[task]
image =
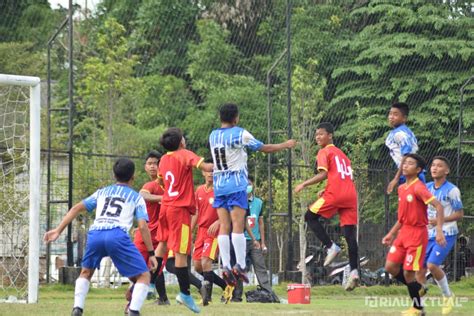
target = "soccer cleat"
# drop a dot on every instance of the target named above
(187, 301)
(229, 277)
(76, 311)
(239, 273)
(413, 312)
(133, 313)
(333, 251)
(205, 291)
(353, 281)
(162, 302)
(227, 294)
(448, 304)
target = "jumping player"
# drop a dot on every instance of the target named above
(228, 148)
(407, 252)
(205, 246)
(400, 141)
(115, 206)
(450, 197)
(175, 171)
(339, 196)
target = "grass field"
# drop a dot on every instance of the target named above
(327, 300)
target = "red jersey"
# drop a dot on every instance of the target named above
(176, 170)
(153, 208)
(207, 215)
(413, 200)
(340, 185)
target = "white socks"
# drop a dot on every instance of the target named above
(80, 292)
(443, 285)
(240, 248)
(138, 296)
(224, 250)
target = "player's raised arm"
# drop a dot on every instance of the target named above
(53, 234)
(150, 197)
(271, 148)
(206, 166)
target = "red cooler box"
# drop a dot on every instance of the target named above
(299, 293)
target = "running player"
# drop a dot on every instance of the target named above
(115, 206)
(407, 252)
(228, 148)
(339, 197)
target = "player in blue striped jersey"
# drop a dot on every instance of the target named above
(115, 208)
(400, 141)
(229, 146)
(450, 197)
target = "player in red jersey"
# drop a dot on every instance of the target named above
(205, 245)
(409, 247)
(152, 194)
(175, 172)
(339, 196)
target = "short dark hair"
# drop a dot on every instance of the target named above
(124, 169)
(153, 154)
(326, 126)
(403, 107)
(228, 112)
(443, 158)
(171, 138)
(420, 161)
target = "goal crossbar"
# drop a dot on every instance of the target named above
(34, 178)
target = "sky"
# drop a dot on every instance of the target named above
(65, 3)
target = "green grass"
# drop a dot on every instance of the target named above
(325, 300)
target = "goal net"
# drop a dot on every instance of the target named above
(19, 188)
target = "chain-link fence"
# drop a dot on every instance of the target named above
(142, 66)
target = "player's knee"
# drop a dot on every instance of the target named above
(311, 217)
(86, 273)
(392, 268)
(144, 277)
(431, 266)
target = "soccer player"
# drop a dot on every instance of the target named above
(400, 141)
(115, 206)
(152, 193)
(339, 196)
(450, 197)
(409, 247)
(228, 148)
(205, 246)
(175, 171)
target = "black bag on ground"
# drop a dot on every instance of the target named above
(260, 295)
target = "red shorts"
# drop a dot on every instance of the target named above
(175, 228)
(327, 207)
(205, 245)
(409, 247)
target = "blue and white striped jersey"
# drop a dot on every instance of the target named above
(401, 141)
(115, 206)
(450, 197)
(228, 148)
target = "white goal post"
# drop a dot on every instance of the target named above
(34, 177)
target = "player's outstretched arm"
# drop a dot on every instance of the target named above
(206, 166)
(440, 239)
(321, 176)
(271, 148)
(150, 197)
(53, 234)
(143, 227)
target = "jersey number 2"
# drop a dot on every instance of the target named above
(170, 176)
